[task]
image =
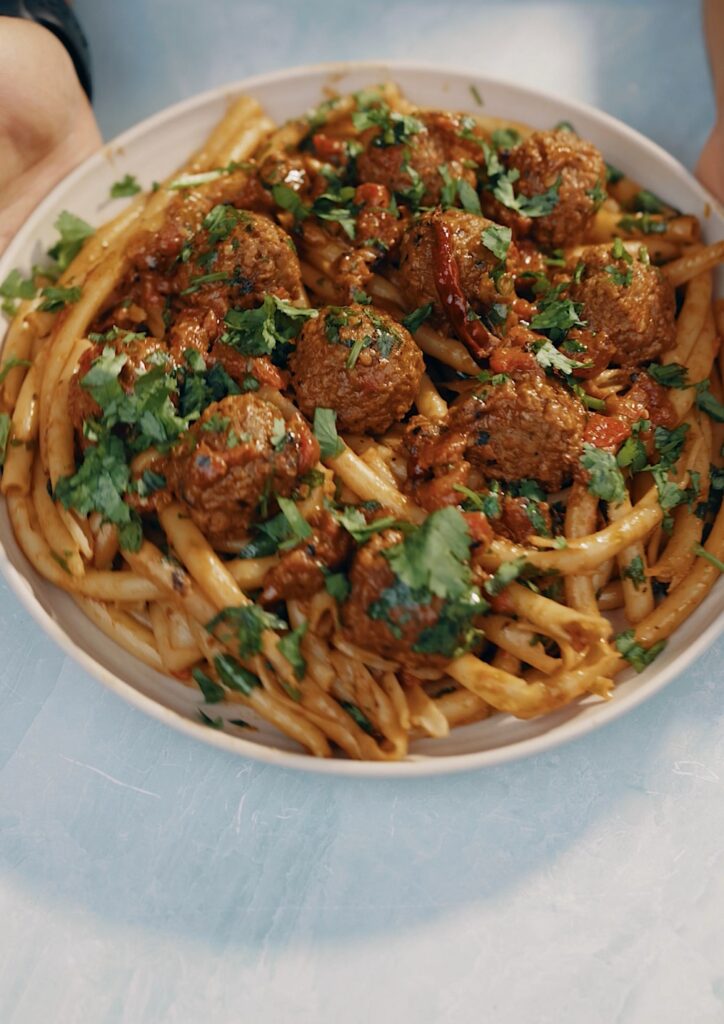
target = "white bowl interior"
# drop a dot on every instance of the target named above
(151, 150)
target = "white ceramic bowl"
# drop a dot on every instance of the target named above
(153, 149)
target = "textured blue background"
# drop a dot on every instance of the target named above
(145, 878)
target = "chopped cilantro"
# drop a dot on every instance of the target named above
(73, 232)
(505, 574)
(605, 478)
(394, 128)
(212, 691)
(10, 364)
(670, 375)
(505, 138)
(417, 317)
(213, 723)
(4, 435)
(475, 93)
(556, 315)
(433, 556)
(287, 199)
(258, 332)
(55, 298)
(468, 196)
(636, 655)
(701, 552)
(290, 647)
(706, 401)
(646, 202)
(248, 623)
(337, 586)
(489, 503)
(299, 526)
(643, 224)
(352, 519)
(549, 357)
(497, 239)
(613, 175)
(235, 676)
(127, 186)
(359, 717)
(325, 431)
(15, 286)
(635, 572)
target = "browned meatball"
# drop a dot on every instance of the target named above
(383, 615)
(300, 572)
(235, 460)
(527, 426)
(358, 361)
(416, 160)
(141, 355)
(631, 301)
(541, 160)
(235, 260)
(478, 266)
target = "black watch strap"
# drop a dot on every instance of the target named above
(58, 18)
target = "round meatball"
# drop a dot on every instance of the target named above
(478, 265)
(358, 361)
(235, 260)
(236, 460)
(525, 427)
(632, 301)
(416, 160)
(541, 160)
(139, 354)
(384, 615)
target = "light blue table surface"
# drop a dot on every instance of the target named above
(145, 878)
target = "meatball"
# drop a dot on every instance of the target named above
(235, 260)
(430, 141)
(358, 361)
(541, 160)
(301, 572)
(478, 266)
(526, 426)
(384, 615)
(236, 460)
(632, 301)
(140, 355)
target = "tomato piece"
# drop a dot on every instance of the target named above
(328, 148)
(371, 194)
(505, 360)
(479, 528)
(606, 431)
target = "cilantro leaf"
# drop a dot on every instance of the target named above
(4, 435)
(417, 317)
(127, 186)
(55, 298)
(15, 286)
(325, 431)
(337, 586)
(636, 655)
(257, 332)
(353, 520)
(235, 676)
(505, 574)
(642, 223)
(706, 401)
(505, 138)
(434, 555)
(671, 375)
(635, 572)
(497, 239)
(701, 552)
(394, 128)
(556, 316)
(359, 717)
(290, 647)
(73, 232)
(248, 623)
(549, 357)
(213, 693)
(298, 524)
(10, 364)
(605, 478)
(287, 199)
(647, 202)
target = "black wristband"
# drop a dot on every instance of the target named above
(57, 17)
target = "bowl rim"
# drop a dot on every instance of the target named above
(415, 766)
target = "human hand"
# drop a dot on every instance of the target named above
(710, 168)
(46, 123)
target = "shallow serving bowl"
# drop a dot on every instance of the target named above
(153, 149)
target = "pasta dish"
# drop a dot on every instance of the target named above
(374, 423)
